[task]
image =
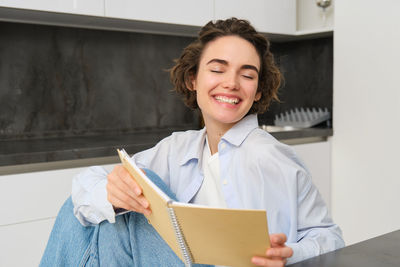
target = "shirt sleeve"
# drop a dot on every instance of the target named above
(89, 196)
(317, 233)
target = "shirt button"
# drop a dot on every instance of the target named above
(223, 145)
(225, 181)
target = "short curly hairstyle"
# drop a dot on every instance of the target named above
(186, 66)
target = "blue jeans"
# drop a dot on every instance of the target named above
(130, 241)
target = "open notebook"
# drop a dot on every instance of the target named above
(200, 234)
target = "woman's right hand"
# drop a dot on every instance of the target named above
(124, 192)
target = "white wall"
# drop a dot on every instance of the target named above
(366, 141)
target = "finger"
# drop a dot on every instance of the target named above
(121, 179)
(114, 192)
(283, 252)
(116, 185)
(120, 193)
(116, 203)
(261, 261)
(135, 208)
(120, 200)
(143, 201)
(278, 239)
(129, 181)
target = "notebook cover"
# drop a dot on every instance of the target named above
(223, 236)
(159, 218)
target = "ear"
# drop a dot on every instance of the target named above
(257, 97)
(193, 83)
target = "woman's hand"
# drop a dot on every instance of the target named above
(277, 254)
(124, 192)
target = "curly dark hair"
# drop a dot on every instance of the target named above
(187, 64)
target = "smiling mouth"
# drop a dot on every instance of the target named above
(224, 99)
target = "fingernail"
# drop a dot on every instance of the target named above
(137, 191)
(255, 261)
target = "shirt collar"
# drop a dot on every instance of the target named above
(195, 150)
(236, 135)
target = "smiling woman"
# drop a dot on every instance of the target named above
(229, 74)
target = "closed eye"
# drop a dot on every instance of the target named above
(248, 77)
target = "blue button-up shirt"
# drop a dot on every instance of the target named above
(258, 172)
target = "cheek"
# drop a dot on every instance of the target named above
(251, 88)
(206, 84)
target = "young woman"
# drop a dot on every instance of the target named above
(229, 74)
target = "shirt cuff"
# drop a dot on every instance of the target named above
(101, 204)
(120, 211)
(302, 251)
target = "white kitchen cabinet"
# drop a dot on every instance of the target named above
(317, 158)
(33, 196)
(282, 20)
(285, 17)
(82, 7)
(185, 12)
(269, 16)
(29, 203)
(23, 244)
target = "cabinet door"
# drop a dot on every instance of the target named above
(23, 244)
(33, 196)
(270, 16)
(185, 12)
(83, 7)
(317, 158)
(29, 203)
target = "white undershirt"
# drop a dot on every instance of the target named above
(210, 193)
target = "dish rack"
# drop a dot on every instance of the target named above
(302, 118)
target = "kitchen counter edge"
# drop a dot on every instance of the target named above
(20, 156)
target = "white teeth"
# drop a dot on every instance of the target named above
(227, 100)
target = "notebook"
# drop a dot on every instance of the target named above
(202, 234)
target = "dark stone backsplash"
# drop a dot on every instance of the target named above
(58, 81)
(307, 67)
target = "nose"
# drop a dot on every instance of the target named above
(231, 81)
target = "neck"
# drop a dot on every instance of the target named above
(214, 133)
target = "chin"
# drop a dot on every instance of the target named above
(230, 119)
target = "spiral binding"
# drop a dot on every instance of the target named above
(187, 256)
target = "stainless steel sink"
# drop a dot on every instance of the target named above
(273, 128)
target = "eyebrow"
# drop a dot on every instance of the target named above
(224, 62)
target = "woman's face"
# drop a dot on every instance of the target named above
(227, 80)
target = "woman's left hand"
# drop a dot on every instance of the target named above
(277, 254)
